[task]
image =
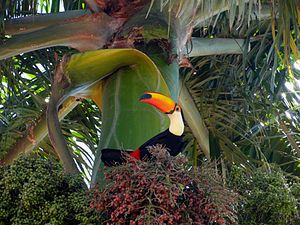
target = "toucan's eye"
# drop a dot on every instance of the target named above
(177, 108)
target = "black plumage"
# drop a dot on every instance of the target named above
(173, 144)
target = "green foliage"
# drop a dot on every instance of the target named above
(268, 196)
(251, 115)
(19, 8)
(24, 90)
(34, 190)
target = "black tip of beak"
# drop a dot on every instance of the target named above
(145, 96)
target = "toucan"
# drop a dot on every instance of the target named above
(171, 138)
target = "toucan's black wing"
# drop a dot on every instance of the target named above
(112, 157)
(172, 142)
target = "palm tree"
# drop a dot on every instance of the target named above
(236, 55)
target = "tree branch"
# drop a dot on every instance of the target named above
(93, 5)
(37, 133)
(216, 46)
(37, 22)
(83, 33)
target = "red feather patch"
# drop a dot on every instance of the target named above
(136, 154)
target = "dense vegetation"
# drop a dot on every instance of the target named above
(268, 196)
(34, 190)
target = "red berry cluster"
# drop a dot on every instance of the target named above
(164, 191)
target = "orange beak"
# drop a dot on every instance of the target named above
(160, 101)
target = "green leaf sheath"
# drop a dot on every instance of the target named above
(170, 73)
(87, 68)
(194, 119)
(132, 73)
(126, 74)
(128, 123)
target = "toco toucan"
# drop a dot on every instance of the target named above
(171, 138)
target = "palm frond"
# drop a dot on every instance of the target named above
(240, 98)
(21, 8)
(25, 89)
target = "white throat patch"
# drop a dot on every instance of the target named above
(176, 123)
